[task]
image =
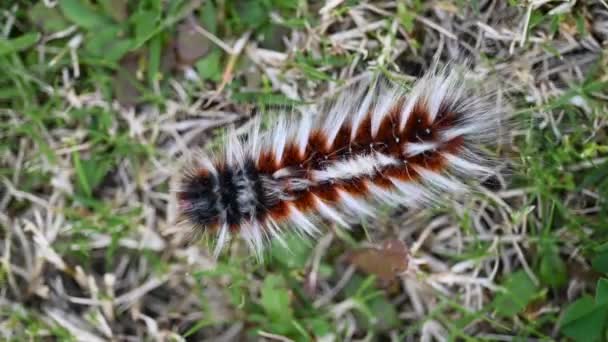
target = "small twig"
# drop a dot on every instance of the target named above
(228, 71)
(198, 28)
(524, 33)
(274, 337)
(436, 27)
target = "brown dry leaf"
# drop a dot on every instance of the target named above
(191, 44)
(168, 62)
(386, 261)
(534, 309)
(125, 80)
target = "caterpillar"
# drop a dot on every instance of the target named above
(375, 143)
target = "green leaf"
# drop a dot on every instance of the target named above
(208, 17)
(155, 57)
(83, 180)
(294, 256)
(145, 25)
(18, 44)
(250, 14)
(552, 268)
(578, 310)
(583, 320)
(319, 327)
(82, 14)
(520, 290)
(600, 262)
(580, 25)
(199, 325)
(275, 299)
(601, 293)
(313, 72)
(381, 307)
(209, 67)
(49, 19)
(595, 176)
(406, 17)
(90, 172)
(107, 44)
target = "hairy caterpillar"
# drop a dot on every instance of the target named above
(374, 143)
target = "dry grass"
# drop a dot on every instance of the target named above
(89, 245)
